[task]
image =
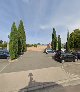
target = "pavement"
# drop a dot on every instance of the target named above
(36, 70)
(36, 79)
(31, 60)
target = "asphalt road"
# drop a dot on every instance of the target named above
(3, 64)
(32, 60)
(29, 61)
(37, 60)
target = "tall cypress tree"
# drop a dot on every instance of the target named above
(54, 40)
(67, 44)
(13, 44)
(21, 38)
(59, 42)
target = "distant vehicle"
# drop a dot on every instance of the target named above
(63, 50)
(4, 54)
(64, 57)
(77, 54)
(49, 51)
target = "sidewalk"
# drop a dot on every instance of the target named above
(13, 82)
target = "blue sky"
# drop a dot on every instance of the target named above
(40, 16)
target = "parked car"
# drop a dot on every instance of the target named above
(49, 51)
(77, 54)
(4, 54)
(63, 57)
(57, 55)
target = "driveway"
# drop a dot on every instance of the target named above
(40, 64)
(31, 60)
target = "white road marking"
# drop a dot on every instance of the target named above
(4, 67)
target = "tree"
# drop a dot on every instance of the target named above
(13, 44)
(38, 44)
(54, 40)
(35, 45)
(1, 41)
(67, 43)
(75, 39)
(21, 38)
(4, 44)
(59, 42)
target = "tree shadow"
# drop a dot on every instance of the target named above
(34, 86)
(53, 57)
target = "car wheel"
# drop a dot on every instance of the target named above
(74, 60)
(7, 57)
(62, 61)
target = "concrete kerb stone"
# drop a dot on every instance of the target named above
(11, 61)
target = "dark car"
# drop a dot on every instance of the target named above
(63, 57)
(4, 54)
(77, 54)
(58, 55)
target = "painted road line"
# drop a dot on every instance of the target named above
(4, 67)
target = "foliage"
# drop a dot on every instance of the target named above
(38, 44)
(28, 45)
(21, 38)
(74, 39)
(59, 42)
(67, 43)
(3, 44)
(17, 44)
(13, 44)
(35, 45)
(1, 41)
(31, 45)
(54, 40)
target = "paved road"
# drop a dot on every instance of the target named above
(37, 60)
(29, 61)
(72, 68)
(3, 64)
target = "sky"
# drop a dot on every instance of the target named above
(40, 17)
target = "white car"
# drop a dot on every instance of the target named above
(49, 51)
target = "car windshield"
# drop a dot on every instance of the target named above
(49, 49)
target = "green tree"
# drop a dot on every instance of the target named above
(59, 42)
(67, 44)
(4, 44)
(1, 41)
(13, 44)
(54, 40)
(21, 38)
(35, 45)
(75, 39)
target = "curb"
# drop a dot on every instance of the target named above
(11, 61)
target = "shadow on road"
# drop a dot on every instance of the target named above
(34, 86)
